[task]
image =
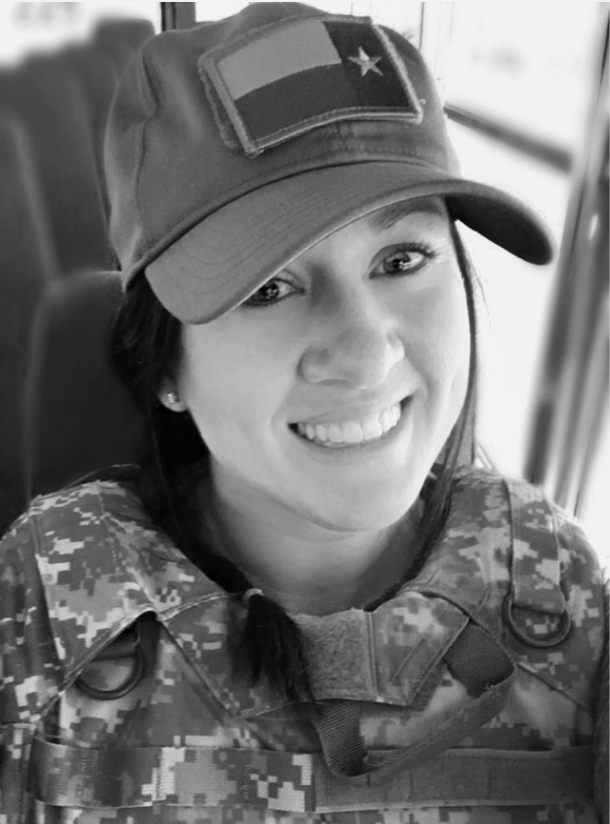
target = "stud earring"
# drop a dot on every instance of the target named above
(172, 398)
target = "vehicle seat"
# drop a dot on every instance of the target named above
(27, 267)
(79, 416)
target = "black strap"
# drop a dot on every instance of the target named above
(477, 660)
(338, 726)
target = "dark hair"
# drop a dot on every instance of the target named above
(270, 646)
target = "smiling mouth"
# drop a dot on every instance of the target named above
(351, 433)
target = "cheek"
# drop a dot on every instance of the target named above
(204, 385)
(444, 369)
(444, 343)
(230, 393)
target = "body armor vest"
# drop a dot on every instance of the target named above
(466, 698)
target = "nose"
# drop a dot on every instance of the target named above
(358, 346)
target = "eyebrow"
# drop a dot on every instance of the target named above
(386, 218)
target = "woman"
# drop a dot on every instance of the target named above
(304, 602)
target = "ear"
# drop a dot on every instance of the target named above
(170, 397)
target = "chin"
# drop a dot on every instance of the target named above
(361, 511)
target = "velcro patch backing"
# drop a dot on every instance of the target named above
(282, 80)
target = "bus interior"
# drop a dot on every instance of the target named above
(525, 91)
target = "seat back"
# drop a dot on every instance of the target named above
(97, 77)
(27, 267)
(79, 416)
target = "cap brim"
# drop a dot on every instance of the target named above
(220, 261)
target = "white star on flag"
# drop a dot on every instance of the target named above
(366, 63)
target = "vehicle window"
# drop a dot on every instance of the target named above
(532, 78)
(403, 17)
(32, 28)
(527, 70)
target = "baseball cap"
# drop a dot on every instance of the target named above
(235, 146)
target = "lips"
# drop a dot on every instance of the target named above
(372, 427)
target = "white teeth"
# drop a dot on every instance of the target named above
(372, 428)
(350, 432)
(335, 435)
(393, 415)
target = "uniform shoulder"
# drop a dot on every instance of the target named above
(87, 503)
(578, 558)
(50, 545)
(556, 580)
(83, 516)
(481, 480)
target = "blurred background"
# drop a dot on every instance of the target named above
(525, 88)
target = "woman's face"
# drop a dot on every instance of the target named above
(332, 389)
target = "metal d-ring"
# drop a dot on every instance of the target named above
(132, 650)
(551, 639)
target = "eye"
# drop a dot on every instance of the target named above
(270, 293)
(405, 260)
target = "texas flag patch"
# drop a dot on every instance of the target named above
(287, 78)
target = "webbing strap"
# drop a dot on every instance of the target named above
(535, 572)
(338, 726)
(72, 777)
(478, 660)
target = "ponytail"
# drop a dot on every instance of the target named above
(271, 648)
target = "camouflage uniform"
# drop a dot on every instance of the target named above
(469, 692)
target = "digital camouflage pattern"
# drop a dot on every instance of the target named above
(191, 744)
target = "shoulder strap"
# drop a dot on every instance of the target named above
(535, 570)
(473, 554)
(535, 608)
(66, 776)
